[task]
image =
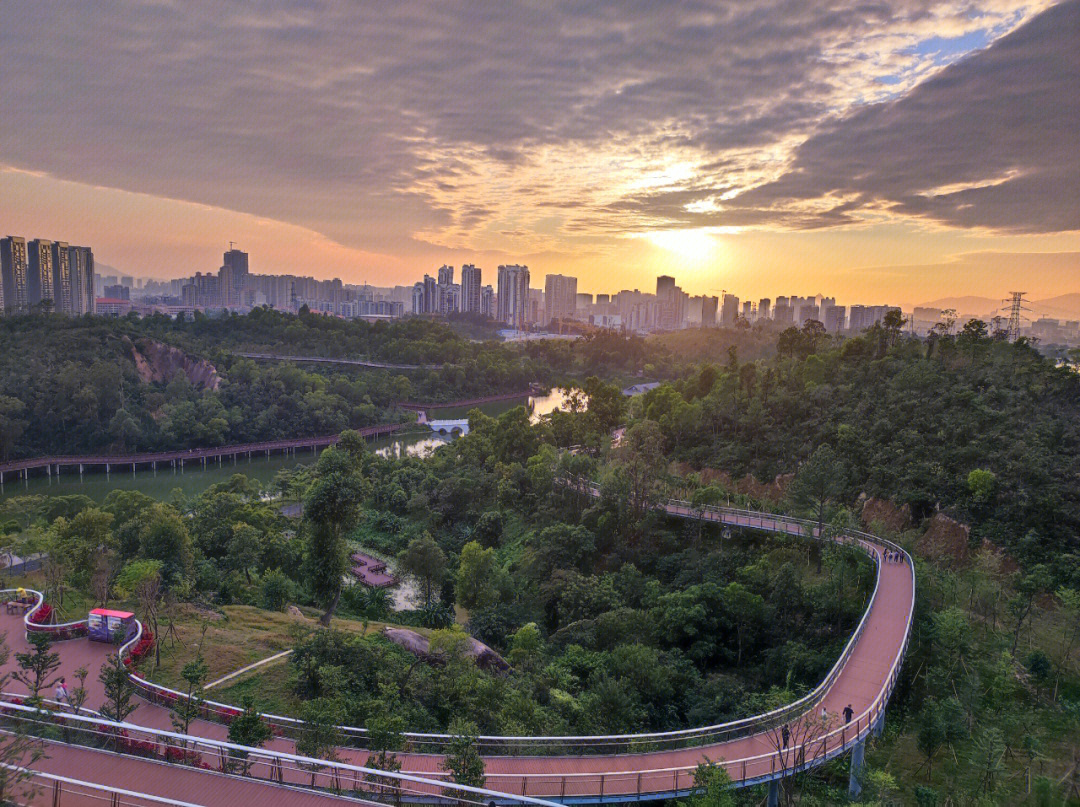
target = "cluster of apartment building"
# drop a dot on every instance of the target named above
(234, 288)
(45, 275)
(441, 295)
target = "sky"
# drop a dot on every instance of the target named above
(882, 151)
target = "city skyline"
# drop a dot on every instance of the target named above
(816, 168)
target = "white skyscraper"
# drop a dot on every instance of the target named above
(470, 289)
(513, 300)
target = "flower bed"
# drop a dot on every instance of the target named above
(40, 621)
(139, 651)
(43, 615)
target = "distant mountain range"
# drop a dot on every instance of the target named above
(1064, 306)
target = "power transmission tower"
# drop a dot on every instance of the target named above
(1015, 306)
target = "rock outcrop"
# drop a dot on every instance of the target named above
(420, 646)
(945, 540)
(157, 362)
(883, 511)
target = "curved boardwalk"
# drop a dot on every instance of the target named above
(864, 682)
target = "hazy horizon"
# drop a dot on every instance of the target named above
(894, 154)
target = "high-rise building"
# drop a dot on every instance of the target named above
(81, 264)
(13, 273)
(61, 271)
(748, 311)
(730, 311)
(763, 308)
(418, 298)
(709, 307)
(431, 295)
(809, 311)
(487, 301)
(783, 313)
(560, 297)
(232, 277)
(513, 301)
(470, 289)
(665, 287)
(833, 318)
(39, 272)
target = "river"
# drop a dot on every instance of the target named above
(194, 479)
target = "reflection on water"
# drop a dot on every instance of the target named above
(538, 405)
(194, 478)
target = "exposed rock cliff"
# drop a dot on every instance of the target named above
(158, 363)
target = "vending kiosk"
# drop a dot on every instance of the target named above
(102, 624)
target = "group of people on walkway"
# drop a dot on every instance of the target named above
(893, 557)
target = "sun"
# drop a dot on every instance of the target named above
(693, 246)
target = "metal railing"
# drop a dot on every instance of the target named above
(749, 768)
(61, 631)
(263, 764)
(37, 787)
(495, 745)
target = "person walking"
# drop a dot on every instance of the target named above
(62, 693)
(785, 735)
(848, 714)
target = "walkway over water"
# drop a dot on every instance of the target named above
(179, 458)
(639, 766)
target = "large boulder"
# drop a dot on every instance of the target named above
(420, 646)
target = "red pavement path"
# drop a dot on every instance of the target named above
(858, 684)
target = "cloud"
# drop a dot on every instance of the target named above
(989, 142)
(395, 126)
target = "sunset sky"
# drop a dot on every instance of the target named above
(889, 151)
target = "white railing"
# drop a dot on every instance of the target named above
(35, 787)
(639, 742)
(673, 779)
(279, 767)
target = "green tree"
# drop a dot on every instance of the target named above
(276, 590)
(930, 733)
(331, 509)
(119, 689)
(37, 667)
(475, 586)
(320, 736)
(640, 457)
(819, 480)
(463, 762)
(712, 787)
(425, 562)
(188, 708)
(249, 730)
(164, 536)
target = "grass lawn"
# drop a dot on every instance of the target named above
(236, 636)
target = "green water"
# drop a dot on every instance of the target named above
(194, 478)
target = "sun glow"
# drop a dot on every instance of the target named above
(694, 246)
